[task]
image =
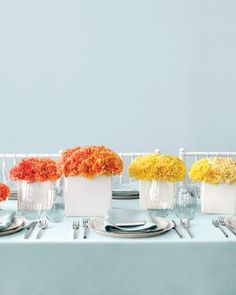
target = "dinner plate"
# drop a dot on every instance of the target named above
(231, 221)
(164, 225)
(17, 225)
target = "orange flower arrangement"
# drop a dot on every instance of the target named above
(35, 169)
(4, 192)
(90, 161)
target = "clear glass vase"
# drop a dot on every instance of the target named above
(32, 198)
(161, 198)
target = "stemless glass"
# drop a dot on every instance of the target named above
(57, 211)
(186, 203)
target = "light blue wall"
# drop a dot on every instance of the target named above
(130, 74)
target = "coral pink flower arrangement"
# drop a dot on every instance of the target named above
(4, 192)
(35, 169)
(90, 161)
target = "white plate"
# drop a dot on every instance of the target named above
(231, 221)
(17, 225)
(98, 226)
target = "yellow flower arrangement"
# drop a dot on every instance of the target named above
(157, 167)
(214, 170)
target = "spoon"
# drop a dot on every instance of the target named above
(186, 225)
(43, 224)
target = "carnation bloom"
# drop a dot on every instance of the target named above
(4, 192)
(214, 170)
(35, 169)
(157, 167)
(90, 161)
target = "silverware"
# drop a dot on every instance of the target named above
(222, 222)
(30, 229)
(177, 230)
(216, 223)
(85, 226)
(186, 225)
(43, 224)
(75, 227)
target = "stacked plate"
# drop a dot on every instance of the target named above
(125, 191)
(163, 225)
(231, 221)
(17, 225)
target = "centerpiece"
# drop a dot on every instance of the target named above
(35, 177)
(157, 174)
(218, 184)
(88, 175)
(4, 191)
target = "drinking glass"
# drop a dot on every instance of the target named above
(57, 211)
(186, 203)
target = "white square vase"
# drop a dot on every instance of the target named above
(164, 192)
(34, 194)
(87, 197)
(218, 198)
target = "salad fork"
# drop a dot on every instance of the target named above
(85, 225)
(75, 227)
(216, 223)
(222, 222)
(43, 224)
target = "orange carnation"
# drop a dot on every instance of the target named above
(35, 169)
(4, 192)
(90, 161)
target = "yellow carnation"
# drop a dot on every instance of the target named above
(214, 170)
(158, 167)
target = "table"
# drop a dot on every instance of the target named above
(163, 265)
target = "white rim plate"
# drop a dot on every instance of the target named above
(98, 226)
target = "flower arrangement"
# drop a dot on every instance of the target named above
(90, 161)
(157, 167)
(35, 169)
(214, 171)
(4, 192)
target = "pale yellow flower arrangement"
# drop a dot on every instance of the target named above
(214, 170)
(157, 167)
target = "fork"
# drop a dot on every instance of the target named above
(216, 223)
(43, 224)
(85, 226)
(222, 222)
(75, 227)
(186, 225)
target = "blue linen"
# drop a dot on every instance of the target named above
(120, 220)
(163, 265)
(6, 218)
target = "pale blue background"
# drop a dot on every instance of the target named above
(131, 74)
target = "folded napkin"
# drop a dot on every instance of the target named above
(6, 219)
(129, 220)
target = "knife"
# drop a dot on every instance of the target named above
(30, 228)
(177, 230)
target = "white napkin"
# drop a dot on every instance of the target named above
(129, 220)
(6, 218)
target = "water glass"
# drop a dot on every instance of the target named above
(57, 211)
(186, 203)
